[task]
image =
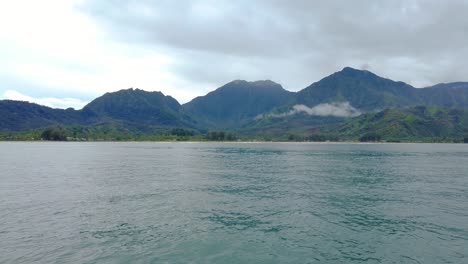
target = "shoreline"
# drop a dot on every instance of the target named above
(233, 142)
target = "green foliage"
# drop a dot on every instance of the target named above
(322, 137)
(465, 139)
(181, 132)
(370, 137)
(55, 134)
(295, 137)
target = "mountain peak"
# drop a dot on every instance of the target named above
(354, 72)
(242, 85)
(254, 83)
(264, 83)
(349, 69)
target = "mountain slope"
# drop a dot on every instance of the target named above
(280, 127)
(445, 94)
(238, 102)
(407, 124)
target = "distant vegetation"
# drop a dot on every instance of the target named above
(419, 123)
(55, 134)
(106, 133)
(220, 136)
(423, 124)
(370, 137)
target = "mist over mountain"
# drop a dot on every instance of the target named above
(367, 91)
(362, 89)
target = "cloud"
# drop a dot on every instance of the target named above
(50, 102)
(57, 50)
(343, 109)
(338, 109)
(296, 42)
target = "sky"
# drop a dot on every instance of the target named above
(64, 53)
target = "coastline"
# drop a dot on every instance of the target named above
(232, 142)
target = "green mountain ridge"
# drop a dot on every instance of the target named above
(146, 111)
(251, 108)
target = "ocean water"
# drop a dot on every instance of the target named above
(233, 203)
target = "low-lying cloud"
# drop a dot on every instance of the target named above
(344, 109)
(337, 109)
(50, 101)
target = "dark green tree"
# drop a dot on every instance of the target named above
(55, 134)
(180, 132)
(230, 137)
(370, 137)
(220, 136)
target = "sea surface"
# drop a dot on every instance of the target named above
(233, 203)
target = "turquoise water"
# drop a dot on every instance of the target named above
(233, 203)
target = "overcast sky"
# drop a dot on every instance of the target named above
(64, 53)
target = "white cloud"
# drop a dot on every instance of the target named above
(343, 109)
(337, 109)
(51, 102)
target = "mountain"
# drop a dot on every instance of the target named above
(237, 102)
(367, 91)
(18, 116)
(362, 89)
(249, 108)
(135, 107)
